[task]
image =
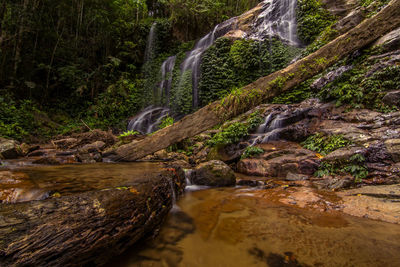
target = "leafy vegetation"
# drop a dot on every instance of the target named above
(359, 90)
(325, 144)
(234, 132)
(167, 121)
(298, 94)
(128, 133)
(355, 166)
(229, 65)
(312, 20)
(230, 135)
(252, 151)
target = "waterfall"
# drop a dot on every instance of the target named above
(193, 59)
(148, 120)
(150, 45)
(166, 70)
(278, 18)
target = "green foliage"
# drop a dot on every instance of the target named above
(230, 135)
(118, 102)
(359, 91)
(252, 151)
(167, 121)
(233, 133)
(17, 120)
(226, 65)
(192, 18)
(298, 94)
(312, 19)
(355, 166)
(325, 144)
(128, 133)
(254, 120)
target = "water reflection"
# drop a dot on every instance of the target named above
(37, 183)
(224, 227)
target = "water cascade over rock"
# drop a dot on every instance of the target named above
(193, 58)
(150, 45)
(272, 18)
(278, 18)
(167, 68)
(148, 120)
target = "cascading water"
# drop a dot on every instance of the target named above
(150, 45)
(148, 120)
(193, 58)
(166, 78)
(278, 18)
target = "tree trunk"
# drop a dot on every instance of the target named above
(21, 31)
(84, 229)
(266, 87)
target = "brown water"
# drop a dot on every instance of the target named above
(35, 183)
(236, 227)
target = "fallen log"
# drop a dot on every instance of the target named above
(84, 229)
(267, 87)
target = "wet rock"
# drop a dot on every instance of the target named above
(88, 157)
(177, 164)
(213, 173)
(392, 98)
(37, 153)
(335, 182)
(390, 41)
(47, 161)
(296, 177)
(393, 148)
(330, 77)
(96, 135)
(377, 153)
(94, 147)
(345, 153)
(65, 143)
(374, 202)
(77, 223)
(9, 149)
(279, 163)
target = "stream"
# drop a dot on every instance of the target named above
(237, 227)
(226, 226)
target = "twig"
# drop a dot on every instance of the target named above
(86, 125)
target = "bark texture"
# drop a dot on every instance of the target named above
(84, 229)
(267, 87)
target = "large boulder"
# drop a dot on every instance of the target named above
(213, 173)
(9, 149)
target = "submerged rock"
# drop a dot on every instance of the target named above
(213, 173)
